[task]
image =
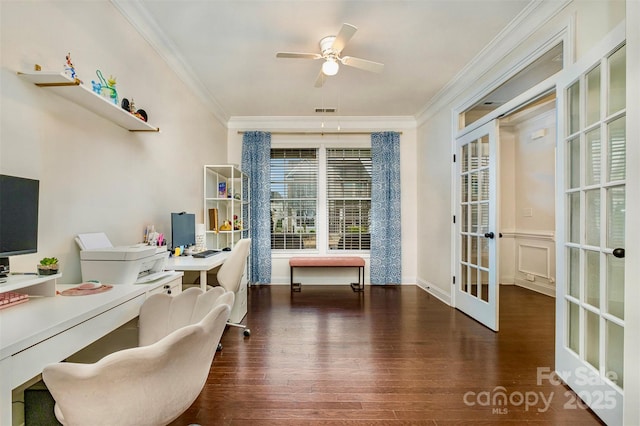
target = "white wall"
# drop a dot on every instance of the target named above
(527, 198)
(94, 175)
(588, 22)
(408, 176)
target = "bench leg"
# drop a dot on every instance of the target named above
(359, 286)
(294, 286)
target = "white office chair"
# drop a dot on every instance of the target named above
(230, 273)
(152, 384)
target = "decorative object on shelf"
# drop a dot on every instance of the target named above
(226, 226)
(213, 219)
(96, 87)
(108, 87)
(222, 190)
(141, 114)
(131, 108)
(69, 69)
(237, 223)
(48, 266)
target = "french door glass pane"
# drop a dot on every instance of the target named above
(592, 338)
(464, 271)
(464, 188)
(474, 218)
(615, 216)
(614, 345)
(592, 276)
(574, 272)
(473, 259)
(483, 153)
(574, 163)
(463, 248)
(483, 222)
(574, 217)
(617, 150)
(593, 164)
(465, 159)
(617, 80)
(474, 282)
(464, 210)
(615, 286)
(484, 289)
(592, 228)
(574, 327)
(484, 185)
(474, 186)
(593, 95)
(573, 100)
(484, 254)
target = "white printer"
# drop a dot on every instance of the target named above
(138, 263)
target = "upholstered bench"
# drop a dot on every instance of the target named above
(329, 262)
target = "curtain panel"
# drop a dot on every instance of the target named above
(256, 163)
(385, 261)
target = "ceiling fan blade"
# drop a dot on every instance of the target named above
(346, 32)
(320, 80)
(295, 55)
(363, 64)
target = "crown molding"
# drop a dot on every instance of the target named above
(531, 19)
(146, 26)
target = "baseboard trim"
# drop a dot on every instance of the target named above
(435, 291)
(545, 289)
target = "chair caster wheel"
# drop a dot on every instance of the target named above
(219, 348)
(247, 332)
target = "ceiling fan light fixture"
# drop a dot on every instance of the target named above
(330, 67)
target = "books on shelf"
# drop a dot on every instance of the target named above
(213, 219)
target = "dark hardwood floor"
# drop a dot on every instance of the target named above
(391, 356)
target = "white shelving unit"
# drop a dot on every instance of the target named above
(75, 91)
(233, 203)
(33, 285)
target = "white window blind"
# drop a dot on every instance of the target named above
(348, 198)
(294, 198)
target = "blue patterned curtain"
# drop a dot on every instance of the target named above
(256, 163)
(385, 209)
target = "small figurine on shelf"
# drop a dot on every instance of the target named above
(108, 87)
(69, 68)
(96, 87)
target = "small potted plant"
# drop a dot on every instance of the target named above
(48, 266)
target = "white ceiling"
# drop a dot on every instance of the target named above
(226, 50)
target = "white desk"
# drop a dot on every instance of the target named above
(46, 330)
(204, 265)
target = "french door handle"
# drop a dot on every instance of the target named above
(618, 252)
(489, 235)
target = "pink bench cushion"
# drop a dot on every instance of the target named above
(326, 261)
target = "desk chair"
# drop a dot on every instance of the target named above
(230, 273)
(152, 384)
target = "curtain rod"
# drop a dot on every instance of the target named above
(299, 133)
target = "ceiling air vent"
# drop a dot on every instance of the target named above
(325, 110)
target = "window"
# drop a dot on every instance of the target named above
(294, 198)
(339, 209)
(349, 198)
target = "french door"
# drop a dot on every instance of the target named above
(476, 288)
(591, 177)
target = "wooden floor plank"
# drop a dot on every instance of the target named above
(389, 356)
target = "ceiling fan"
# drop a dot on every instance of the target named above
(331, 48)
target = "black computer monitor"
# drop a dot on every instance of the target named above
(18, 218)
(183, 229)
